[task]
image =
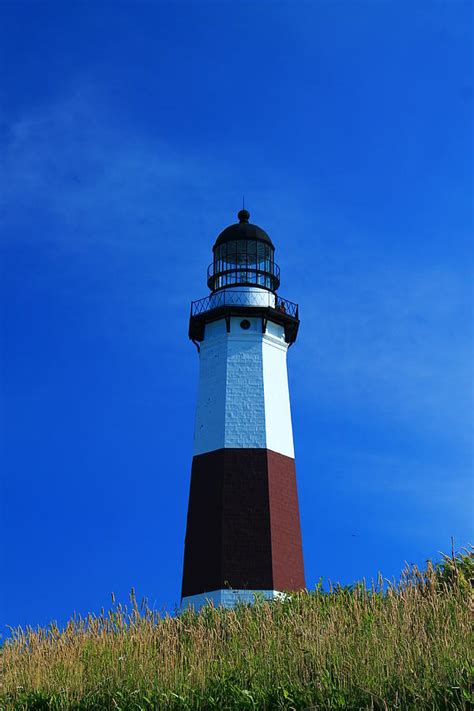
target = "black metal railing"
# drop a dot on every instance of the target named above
(244, 298)
(286, 307)
(265, 274)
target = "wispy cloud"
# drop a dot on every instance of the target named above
(78, 161)
(380, 331)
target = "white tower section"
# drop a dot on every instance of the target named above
(243, 396)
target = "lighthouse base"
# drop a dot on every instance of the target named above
(228, 598)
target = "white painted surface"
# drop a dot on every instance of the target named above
(209, 426)
(278, 427)
(242, 296)
(243, 398)
(245, 402)
(228, 598)
(277, 331)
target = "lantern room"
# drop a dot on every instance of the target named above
(243, 256)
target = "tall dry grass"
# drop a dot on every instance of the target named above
(402, 647)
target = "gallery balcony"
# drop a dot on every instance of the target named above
(244, 302)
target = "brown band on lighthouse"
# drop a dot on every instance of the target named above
(287, 547)
(243, 528)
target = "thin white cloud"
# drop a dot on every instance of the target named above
(390, 335)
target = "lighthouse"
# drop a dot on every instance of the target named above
(243, 529)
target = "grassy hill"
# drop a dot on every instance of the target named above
(401, 645)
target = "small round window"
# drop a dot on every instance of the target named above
(245, 324)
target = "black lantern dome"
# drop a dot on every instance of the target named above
(243, 256)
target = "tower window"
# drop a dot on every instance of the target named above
(245, 324)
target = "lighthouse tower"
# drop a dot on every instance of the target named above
(243, 529)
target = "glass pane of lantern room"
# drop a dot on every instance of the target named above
(230, 254)
(252, 253)
(241, 251)
(268, 258)
(220, 257)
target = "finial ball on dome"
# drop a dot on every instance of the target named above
(243, 215)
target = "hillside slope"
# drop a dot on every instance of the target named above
(387, 646)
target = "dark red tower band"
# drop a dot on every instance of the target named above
(243, 527)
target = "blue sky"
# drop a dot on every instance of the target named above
(129, 132)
